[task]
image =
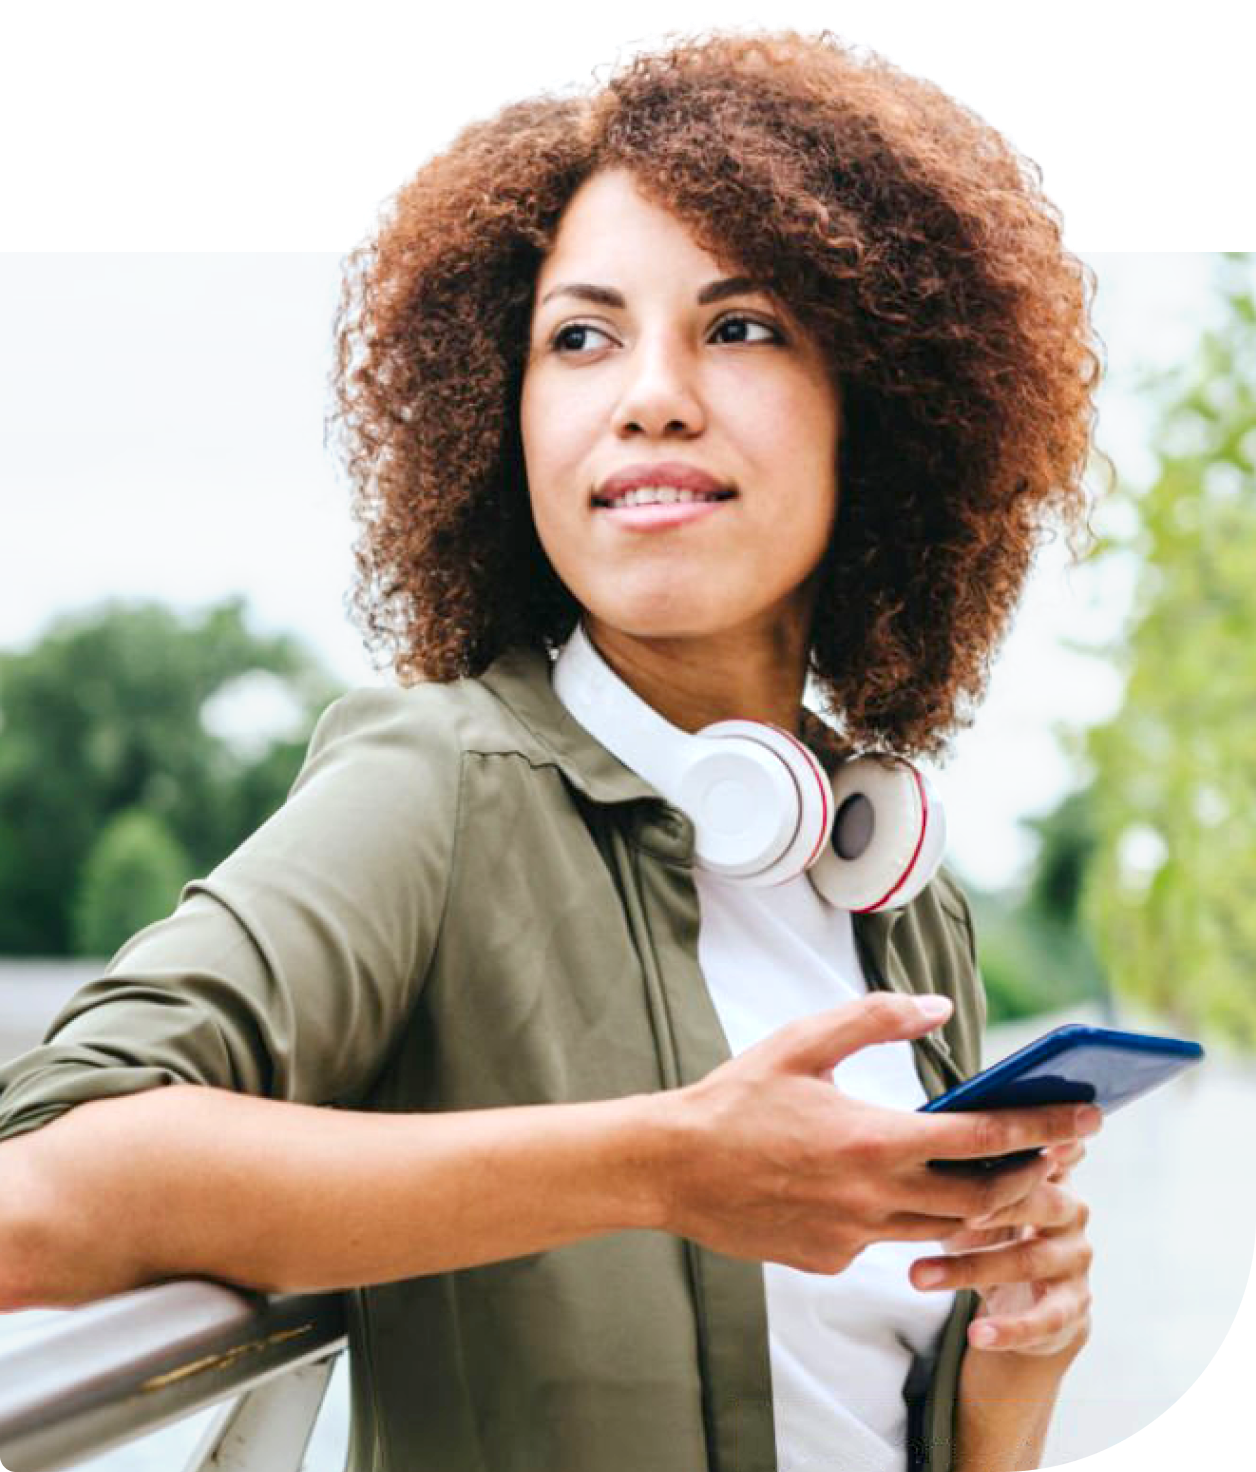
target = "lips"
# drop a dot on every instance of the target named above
(658, 516)
(677, 473)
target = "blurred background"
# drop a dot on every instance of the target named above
(172, 623)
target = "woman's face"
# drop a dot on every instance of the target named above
(645, 354)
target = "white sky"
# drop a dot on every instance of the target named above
(162, 437)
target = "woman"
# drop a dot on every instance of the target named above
(762, 362)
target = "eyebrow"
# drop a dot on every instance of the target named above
(713, 291)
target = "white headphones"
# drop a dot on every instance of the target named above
(763, 808)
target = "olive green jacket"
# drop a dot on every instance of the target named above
(466, 902)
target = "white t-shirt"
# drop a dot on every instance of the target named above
(841, 1344)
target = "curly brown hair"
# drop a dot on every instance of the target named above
(899, 227)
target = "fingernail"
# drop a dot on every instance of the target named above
(1088, 1119)
(931, 1276)
(934, 1008)
(983, 1335)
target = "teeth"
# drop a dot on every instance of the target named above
(661, 496)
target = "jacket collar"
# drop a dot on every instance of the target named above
(520, 678)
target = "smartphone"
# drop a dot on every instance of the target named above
(1071, 1064)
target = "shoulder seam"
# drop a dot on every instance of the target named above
(420, 983)
(453, 855)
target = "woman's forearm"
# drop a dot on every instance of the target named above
(1004, 1408)
(195, 1181)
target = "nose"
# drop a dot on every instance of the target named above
(660, 396)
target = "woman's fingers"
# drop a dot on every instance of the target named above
(971, 1194)
(909, 1226)
(967, 1238)
(1064, 1158)
(1033, 1279)
(1058, 1318)
(941, 1211)
(982, 1134)
(1027, 1260)
(1050, 1206)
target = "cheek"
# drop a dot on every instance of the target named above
(816, 443)
(554, 448)
(788, 416)
(531, 418)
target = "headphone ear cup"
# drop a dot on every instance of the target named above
(889, 834)
(799, 815)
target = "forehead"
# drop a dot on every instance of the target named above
(609, 222)
(611, 235)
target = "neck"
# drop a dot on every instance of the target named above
(740, 674)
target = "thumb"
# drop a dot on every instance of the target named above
(815, 1044)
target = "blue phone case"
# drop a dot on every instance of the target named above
(1071, 1064)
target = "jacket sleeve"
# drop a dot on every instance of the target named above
(287, 971)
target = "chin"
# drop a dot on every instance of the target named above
(663, 615)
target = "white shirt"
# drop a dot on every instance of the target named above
(840, 1344)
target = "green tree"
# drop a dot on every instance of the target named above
(110, 711)
(1169, 892)
(1066, 843)
(132, 877)
(1036, 955)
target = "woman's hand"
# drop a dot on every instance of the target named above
(1030, 1264)
(767, 1159)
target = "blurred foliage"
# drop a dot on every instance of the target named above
(1168, 895)
(1034, 951)
(106, 715)
(1142, 875)
(132, 876)
(114, 788)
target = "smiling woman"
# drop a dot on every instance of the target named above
(681, 456)
(626, 973)
(896, 243)
(763, 358)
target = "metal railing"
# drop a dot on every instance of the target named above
(102, 1374)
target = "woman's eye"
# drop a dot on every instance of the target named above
(747, 321)
(728, 321)
(562, 338)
